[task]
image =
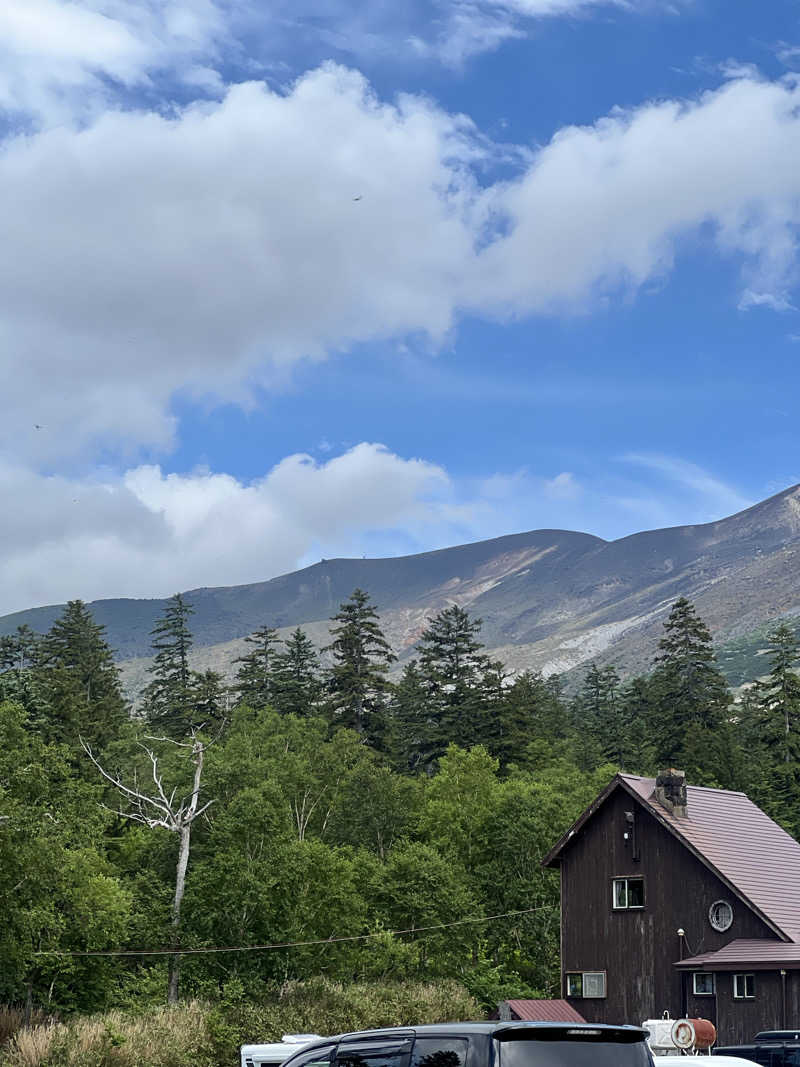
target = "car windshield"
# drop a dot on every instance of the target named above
(570, 1051)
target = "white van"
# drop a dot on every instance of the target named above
(274, 1054)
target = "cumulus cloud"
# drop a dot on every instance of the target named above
(60, 57)
(605, 206)
(149, 533)
(144, 254)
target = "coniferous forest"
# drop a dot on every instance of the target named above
(328, 804)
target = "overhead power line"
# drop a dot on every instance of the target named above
(297, 944)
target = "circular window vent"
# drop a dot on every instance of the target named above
(720, 915)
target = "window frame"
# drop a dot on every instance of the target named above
(309, 1054)
(744, 976)
(704, 993)
(583, 975)
(441, 1039)
(626, 878)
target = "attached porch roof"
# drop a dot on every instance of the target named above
(756, 954)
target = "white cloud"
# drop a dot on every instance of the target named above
(469, 30)
(606, 206)
(550, 8)
(716, 497)
(563, 487)
(150, 533)
(57, 56)
(773, 301)
(145, 254)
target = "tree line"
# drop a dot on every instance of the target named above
(321, 797)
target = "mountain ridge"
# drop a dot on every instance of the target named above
(550, 599)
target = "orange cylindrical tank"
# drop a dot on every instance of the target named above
(694, 1033)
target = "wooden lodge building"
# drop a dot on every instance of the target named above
(684, 900)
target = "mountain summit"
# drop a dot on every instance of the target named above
(549, 599)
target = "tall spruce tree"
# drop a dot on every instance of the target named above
(297, 686)
(690, 693)
(777, 698)
(19, 681)
(416, 746)
(531, 710)
(601, 710)
(358, 681)
(256, 677)
(79, 680)
(462, 685)
(169, 699)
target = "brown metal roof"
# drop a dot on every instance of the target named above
(732, 836)
(541, 1011)
(745, 952)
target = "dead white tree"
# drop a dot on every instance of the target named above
(159, 809)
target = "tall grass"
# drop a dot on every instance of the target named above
(195, 1034)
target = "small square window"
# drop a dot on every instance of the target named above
(586, 984)
(627, 893)
(744, 986)
(703, 983)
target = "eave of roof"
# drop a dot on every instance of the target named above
(629, 784)
(753, 953)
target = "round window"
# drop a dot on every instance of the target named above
(720, 915)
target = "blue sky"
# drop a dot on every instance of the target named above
(296, 280)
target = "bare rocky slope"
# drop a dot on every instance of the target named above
(549, 599)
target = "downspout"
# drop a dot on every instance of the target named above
(684, 977)
(783, 998)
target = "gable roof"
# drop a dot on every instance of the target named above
(731, 836)
(555, 1011)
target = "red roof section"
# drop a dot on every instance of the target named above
(745, 952)
(545, 1011)
(732, 836)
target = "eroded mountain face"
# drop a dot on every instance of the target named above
(549, 599)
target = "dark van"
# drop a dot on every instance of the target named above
(490, 1044)
(767, 1053)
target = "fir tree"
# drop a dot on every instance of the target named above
(256, 677)
(297, 685)
(19, 681)
(18, 651)
(531, 710)
(637, 748)
(209, 698)
(415, 747)
(462, 684)
(777, 698)
(689, 690)
(600, 710)
(168, 700)
(358, 681)
(79, 679)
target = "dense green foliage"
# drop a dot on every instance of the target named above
(344, 805)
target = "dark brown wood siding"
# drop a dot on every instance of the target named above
(638, 949)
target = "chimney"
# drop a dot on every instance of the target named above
(671, 791)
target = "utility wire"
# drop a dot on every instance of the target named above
(296, 944)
